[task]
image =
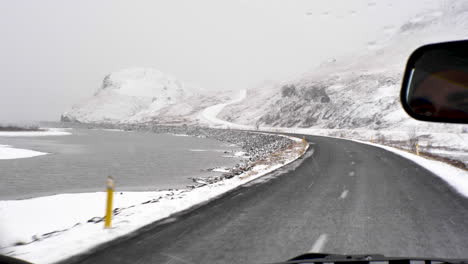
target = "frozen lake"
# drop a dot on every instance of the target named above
(82, 161)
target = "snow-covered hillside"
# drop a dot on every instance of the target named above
(358, 91)
(141, 95)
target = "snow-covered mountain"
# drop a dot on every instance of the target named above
(359, 91)
(141, 95)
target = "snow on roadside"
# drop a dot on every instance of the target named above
(220, 170)
(9, 152)
(60, 224)
(455, 177)
(451, 145)
(45, 132)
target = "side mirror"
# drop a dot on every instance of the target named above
(435, 83)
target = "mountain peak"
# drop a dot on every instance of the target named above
(126, 93)
(143, 82)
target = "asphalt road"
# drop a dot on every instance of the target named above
(342, 197)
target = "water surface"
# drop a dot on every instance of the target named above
(82, 161)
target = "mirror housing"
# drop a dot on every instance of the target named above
(435, 83)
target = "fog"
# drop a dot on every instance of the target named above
(55, 53)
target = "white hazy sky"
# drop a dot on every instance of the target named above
(55, 53)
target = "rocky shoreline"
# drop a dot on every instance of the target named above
(257, 146)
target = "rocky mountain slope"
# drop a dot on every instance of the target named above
(141, 95)
(359, 91)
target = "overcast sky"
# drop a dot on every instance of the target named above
(55, 53)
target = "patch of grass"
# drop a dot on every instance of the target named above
(411, 149)
(456, 163)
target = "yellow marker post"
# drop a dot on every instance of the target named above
(110, 196)
(417, 149)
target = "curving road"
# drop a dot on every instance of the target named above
(209, 115)
(342, 197)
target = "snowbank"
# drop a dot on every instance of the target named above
(9, 152)
(68, 224)
(43, 133)
(455, 177)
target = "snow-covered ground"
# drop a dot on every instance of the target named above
(67, 224)
(455, 177)
(9, 152)
(43, 133)
(453, 145)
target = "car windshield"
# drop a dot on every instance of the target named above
(213, 131)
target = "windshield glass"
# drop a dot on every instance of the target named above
(224, 132)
